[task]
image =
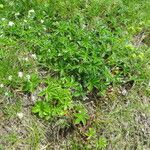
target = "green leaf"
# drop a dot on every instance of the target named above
(101, 143)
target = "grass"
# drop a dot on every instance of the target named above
(128, 120)
(74, 74)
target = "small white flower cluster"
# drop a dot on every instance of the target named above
(10, 23)
(3, 19)
(25, 58)
(10, 78)
(42, 21)
(20, 74)
(31, 13)
(20, 115)
(17, 14)
(1, 85)
(1, 6)
(33, 56)
(83, 26)
(6, 94)
(25, 20)
(28, 77)
(44, 28)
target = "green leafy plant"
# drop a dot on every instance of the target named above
(101, 143)
(81, 115)
(55, 100)
(31, 83)
(42, 108)
(93, 58)
(91, 133)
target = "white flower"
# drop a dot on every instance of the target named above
(39, 33)
(25, 21)
(83, 26)
(6, 93)
(42, 21)
(1, 6)
(20, 115)
(85, 98)
(3, 19)
(34, 56)
(28, 77)
(31, 11)
(20, 74)
(44, 28)
(26, 58)
(1, 85)
(17, 14)
(10, 23)
(10, 78)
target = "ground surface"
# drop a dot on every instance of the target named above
(125, 124)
